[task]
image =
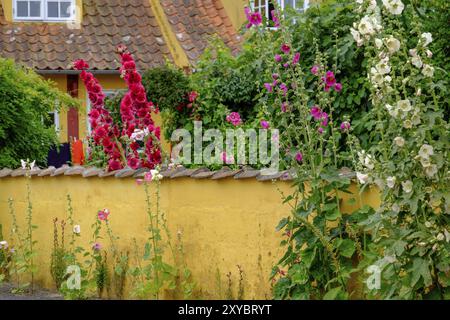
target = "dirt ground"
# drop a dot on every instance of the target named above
(38, 294)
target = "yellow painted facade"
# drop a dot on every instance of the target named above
(224, 223)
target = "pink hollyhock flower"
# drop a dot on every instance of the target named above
(320, 130)
(285, 48)
(296, 59)
(148, 176)
(284, 88)
(97, 246)
(133, 163)
(316, 112)
(324, 118)
(284, 106)
(275, 76)
(278, 58)
(269, 87)
(227, 159)
(345, 126)
(299, 157)
(286, 65)
(103, 214)
(265, 124)
(193, 96)
(114, 164)
(254, 18)
(315, 70)
(275, 19)
(338, 87)
(330, 80)
(234, 118)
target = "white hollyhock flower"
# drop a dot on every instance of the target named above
(365, 26)
(427, 38)
(138, 135)
(156, 176)
(404, 105)
(368, 162)
(417, 62)
(429, 53)
(425, 162)
(378, 43)
(431, 170)
(440, 237)
(393, 111)
(383, 66)
(356, 36)
(3, 245)
(362, 178)
(407, 186)
(407, 124)
(77, 229)
(394, 6)
(426, 151)
(390, 182)
(447, 235)
(415, 119)
(392, 44)
(396, 208)
(399, 141)
(413, 52)
(428, 71)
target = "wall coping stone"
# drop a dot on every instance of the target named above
(173, 173)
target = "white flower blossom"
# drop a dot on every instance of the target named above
(396, 208)
(390, 182)
(417, 62)
(440, 237)
(428, 71)
(77, 229)
(427, 38)
(3, 244)
(394, 6)
(399, 141)
(362, 177)
(393, 111)
(392, 44)
(156, 176)
(365, 26)
(378, 43)
(404, 105)
(426, 151)
(415, 119)
(383, 66)
(429, 53)
(138, 135)
(407, 186)
(431, 170)
(407, 124)
(356, 36)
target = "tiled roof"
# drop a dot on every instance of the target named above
(106, 24)
(179, 172)
(194, 21)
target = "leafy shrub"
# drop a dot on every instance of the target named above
(25, 100)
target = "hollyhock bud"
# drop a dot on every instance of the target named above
(299, 157)
(278, 58)
(345, 126)
(265, 124)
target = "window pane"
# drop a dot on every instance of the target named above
(65, 9)
(22, 8)
(52, 9)
(291, 3)
(35, 8)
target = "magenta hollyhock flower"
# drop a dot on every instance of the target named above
(275, 76)
(338, 87)
(97, 246)
(278, 58)
(299, 157)
(315, 70)
(254, 18)
(330, 80)
(286, 65)
(324, 118)
(275, 19)
(265, 124)
(234, 118)
(284, 88)
(285, 48)
(269, 87)
(296, 58)
(320, 130)
(345, 126)
(327, 88)
(103, 214)
(316, 112)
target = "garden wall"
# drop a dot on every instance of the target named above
(226, 218)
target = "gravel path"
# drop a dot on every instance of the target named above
(39, 294)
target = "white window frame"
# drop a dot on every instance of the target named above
(264, 5)
(55, 120)
(44, 12)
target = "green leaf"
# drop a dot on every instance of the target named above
(346, 247)
(282, 224)
(333, 215)
(299, 274)
(335, 294)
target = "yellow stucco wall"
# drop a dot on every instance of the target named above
(235, 11)
(224, 223)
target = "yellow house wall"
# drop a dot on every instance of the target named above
(235, 11)
(224, 223)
